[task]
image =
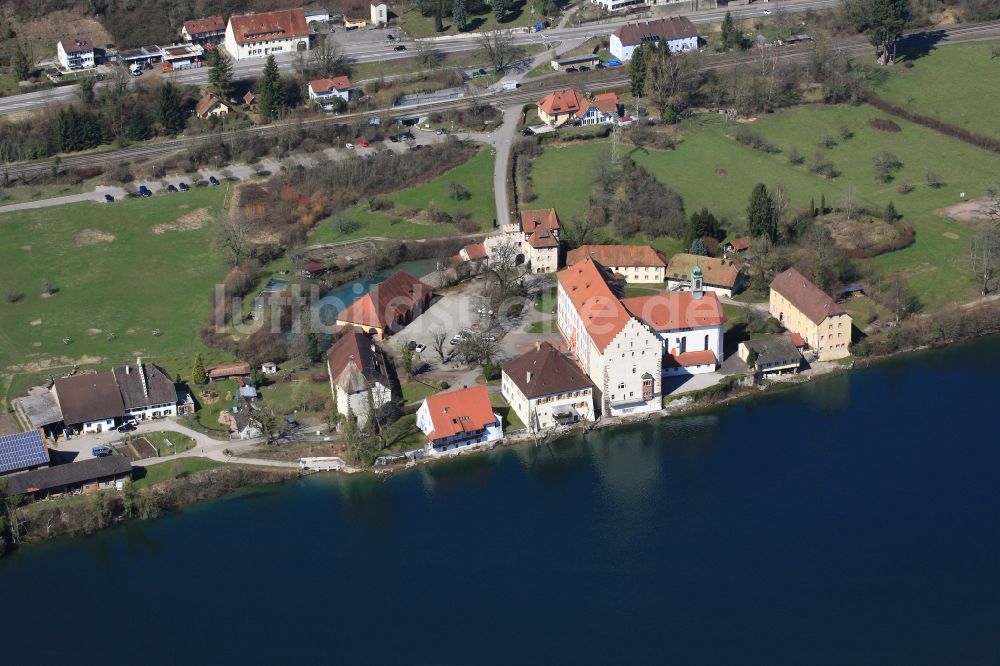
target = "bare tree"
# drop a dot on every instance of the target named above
(504, 271)
(439, 341)
(984, 256)
(327, 59)
(235, 232)
(849, 201)
(498, 47)
(427, 56)
(479, 348)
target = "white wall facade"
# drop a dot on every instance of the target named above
(152, 411)
(541, 260)
(261, 49)
(538, 413)
(329, 97)
(379, 14)
(685, 285)
(357, 404)
(491, 433)
(81, 60)
(702, 338)
(102, 425)
(641, 274)
(624, 51)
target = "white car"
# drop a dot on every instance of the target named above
(767, 12)
(349, 146)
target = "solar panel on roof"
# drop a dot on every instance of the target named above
(25, 449)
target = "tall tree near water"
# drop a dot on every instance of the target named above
(272, 92)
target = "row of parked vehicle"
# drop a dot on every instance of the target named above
(614, 62)
(405, 136)
(145, 192)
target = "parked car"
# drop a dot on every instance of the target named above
(126, 427)
(571, 70)
(482, 72)
(440, 131)
(363, 143)
(400, 47)
(100, 451)
(292, 422)
(600, 65)
(393, 138)
(108, 198)
(183, 187)
(144, 191)
(406, 136)
(767, 12)
(171, 188)
(583, 68)
(349, 146)
(415, 346)
(614, 62)
(213, 180)
(391, 37)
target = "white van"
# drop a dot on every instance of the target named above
(509, 85)
(136, 69)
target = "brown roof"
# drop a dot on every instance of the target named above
(207, 103)
(320, 86)
(805, 297)
(68, 474)
(159, 387)
(716, 272)
(542, 238)
(268, 26)
(532, 219)
(90, 397)
(740, 244)
(205, 25)
(355, 362)
(675, 27)
(603, 315)
(618, 255)
(76, 44)
(545, 370)
(386, 302)
(476, 251)
(605, 103)
(456, 412)
(250, 98)
(676, 310)
(560, 101)
(229, 370)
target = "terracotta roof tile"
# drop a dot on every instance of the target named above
(205, 25)
(268, 26)
(586, 285)
(326, 86)
(386, 302)
(689, 359)
(460, 411)
(550, 372)
(476, 251)
(532, 219)
(806, 297)
(618, 255)
(676, 310)
(228, 370)
(355, 362)
(560, 102)
(206, 104)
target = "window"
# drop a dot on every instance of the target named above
(621, 385)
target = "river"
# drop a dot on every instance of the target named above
(853, 520)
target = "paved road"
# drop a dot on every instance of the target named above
(381, 50)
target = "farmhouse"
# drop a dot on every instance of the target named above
(325, 91)
(459, 418)
(602, 110)
(86, 476)
(389, 306)
(75, 53)
(259, 35)
(559, 107)
(147, 390)
(677, 32)
(775, 354)
(207, 30)
(690, 324)
(804, 308)
(359, 375)
(622, 357)
(211, 106)
(722, 276)
(637, 264)
(547, 389)
(22, 452)
(90, 402)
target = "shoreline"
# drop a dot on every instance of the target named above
(248, 478)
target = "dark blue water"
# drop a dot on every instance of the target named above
(852, 521)
(346, 294)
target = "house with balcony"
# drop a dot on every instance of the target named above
(75, 53)
(329, 92)
(546, 389)
(462, 417)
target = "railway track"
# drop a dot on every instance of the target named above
(528, 93)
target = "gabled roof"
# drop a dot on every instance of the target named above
(89, 397)
(532, 219)
(675, 27)
(386, 301)
(228, 370)
(544, 371)
(355, 363)
(779, 349)
(475, 251)
(21, 451)
(250, 97)
(715, 272)
(676, 310)
(542, 237)
(461, 411)
(76, 44)
(326, 86)
(689, 359)
(68, 474)
(805, 297)
(603, 315)
(560, 102)
(159, 387)
(205, 25)
(605, 103)
(268, 26)
(207, 103)
(618, 255)
(740, 244)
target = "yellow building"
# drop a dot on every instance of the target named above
(804, 308)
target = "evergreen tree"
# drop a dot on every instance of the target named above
(883, 22)
(22, 64)
(500, 9)
(891, 215)
(407, 358)
(732, 36)
(272, 93)
(168, 109)
(314, 346)
(460, 14)
(698, 248)
(822, 204)
(703, 223)
(637, 71)
(220, 76)
(198, 374)
(138, 125)
(762, 218)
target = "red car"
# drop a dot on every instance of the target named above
(363, 143)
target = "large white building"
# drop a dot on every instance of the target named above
(533, 238)
(75, 53)
(148, 392)
(260, 35)
(619, 353)
(359, 376)
(462, 417)
(637, 264)
(690, 324)
(677, 32)
(546, 389)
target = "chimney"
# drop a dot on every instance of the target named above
(142, 376)
(538, 345)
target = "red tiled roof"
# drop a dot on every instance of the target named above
(542, 238)
(689, 359)
(797, 340)
(531, 219)
(268, 26)
(605, 103)
(560, 102)
(206, 104)
(740, 244)
(716, 272)
(805, 297)
(356, 355)
(205, 25)
(460, 411)
(586, 285)
(476, 251)
(320, 86)
(228, 370)
(386, 302)
(618, 255)
(678, 309)
(675, 27)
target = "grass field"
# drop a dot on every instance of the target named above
(165, 471)
(415, 391)
(20, 193)
(180, 442)
(366, 223)
(121, 289)
(958, 83)
(710, 169)
(208, 414)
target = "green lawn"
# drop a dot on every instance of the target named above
(543, 326)
(633, 290)
(367, 223)
(171, 469)
(958, 83)
(546, 301)
(710, 169)
(415, 391)
(208, 415)
(510, 419)
(20, 193)
(299, 396)
(180, 442)
(481, 18)
(115, 278)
